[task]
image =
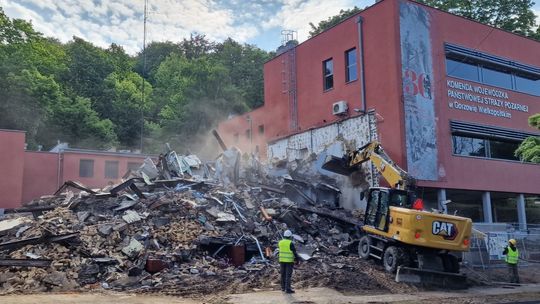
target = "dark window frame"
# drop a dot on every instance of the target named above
(328, 78)
(351, 67)
(261, 129)
(108, 169)
(484, 62)
(86, 171)
(488, 146)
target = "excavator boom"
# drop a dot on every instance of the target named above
(392, 173)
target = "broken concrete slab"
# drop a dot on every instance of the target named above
(133, 249)
(131, 217)
(7, 225)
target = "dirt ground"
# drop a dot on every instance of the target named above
(528, 294)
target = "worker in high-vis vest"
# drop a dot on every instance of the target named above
(287, 257)
(512, 256)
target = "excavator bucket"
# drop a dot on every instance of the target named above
(431, 278)
(338, 165)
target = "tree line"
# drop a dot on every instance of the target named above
(92, 97)
(96, 97)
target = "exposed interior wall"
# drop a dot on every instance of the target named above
(313, 146)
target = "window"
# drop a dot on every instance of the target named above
(328, 74)
(462, 69)
(111, 169)
(248, 134)
(492, 70)
(504, 207)
(350, 61)
(261, 129)
(503, 149)
(497, 78)
(483, 147)
(532, 209)
(133, 166)
(470, 139)
(86, 168)
(469, 146)
(528, 84)
(466, 203)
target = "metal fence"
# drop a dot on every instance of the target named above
(486, 248)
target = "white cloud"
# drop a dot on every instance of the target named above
(297, 14)
(121, 21)
(537, 13)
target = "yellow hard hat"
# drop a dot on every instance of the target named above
(512, 241)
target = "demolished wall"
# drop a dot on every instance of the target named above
(311, 147)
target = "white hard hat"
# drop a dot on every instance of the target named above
(287, 233)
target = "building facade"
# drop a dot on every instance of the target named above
(28, 175)
(450, 97)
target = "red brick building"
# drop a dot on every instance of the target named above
(27, 175)
(451, 99)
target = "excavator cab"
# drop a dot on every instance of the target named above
(379, 201)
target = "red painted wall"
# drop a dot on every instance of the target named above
(233, 131)
(382, 52)
(11, 166)
(40, 174)
(472, 173)
(314, 104)
(71, 163)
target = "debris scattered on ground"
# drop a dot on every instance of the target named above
(181, 227)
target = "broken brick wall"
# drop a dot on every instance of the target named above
(314, 145)
(11, 165)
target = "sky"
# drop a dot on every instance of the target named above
(103, 22)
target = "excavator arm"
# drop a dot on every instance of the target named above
(350, 162)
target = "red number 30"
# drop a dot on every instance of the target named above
(415, 84)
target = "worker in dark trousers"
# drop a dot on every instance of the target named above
(512, 256)
(287, 256)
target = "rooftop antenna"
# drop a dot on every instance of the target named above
(288, 35)
(143, 71)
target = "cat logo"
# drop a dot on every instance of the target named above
(447, 230)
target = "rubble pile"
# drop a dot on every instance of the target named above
(178, 235)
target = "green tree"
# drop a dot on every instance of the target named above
(117, 57)
(331, 21)
(88, 66)
(193, 95)
(124, 93)
(529, 150)
(245, 65)
(155, 52)
(511, 15)
(196, 46)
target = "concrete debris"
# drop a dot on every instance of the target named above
(133, 249)
(7, 225)
(131, 217)
(162, 230)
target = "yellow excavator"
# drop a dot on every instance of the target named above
(415, 244)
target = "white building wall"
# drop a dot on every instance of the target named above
(334, 139)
